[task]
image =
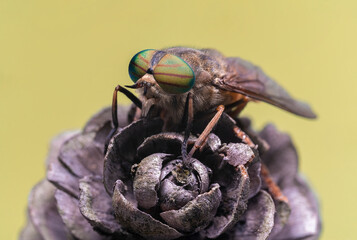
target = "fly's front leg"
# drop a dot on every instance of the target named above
(115, 122)
(203, 137)
(188, 117)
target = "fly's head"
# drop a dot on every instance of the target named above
(163, 79)
(160, 73)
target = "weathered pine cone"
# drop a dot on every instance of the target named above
(148, 193)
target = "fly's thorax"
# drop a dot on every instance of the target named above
(205, 98)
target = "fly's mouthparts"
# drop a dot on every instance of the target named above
(136, 85)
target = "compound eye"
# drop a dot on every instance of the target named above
(174, 75)
(140, 63)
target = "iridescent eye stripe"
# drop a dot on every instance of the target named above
(143, 59)
(139, 64)
(170, 65)
(174, 75)
(136, 65)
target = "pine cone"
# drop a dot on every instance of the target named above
(149, 193)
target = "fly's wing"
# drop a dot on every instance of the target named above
(248, 79)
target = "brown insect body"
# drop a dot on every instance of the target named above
(219, 81)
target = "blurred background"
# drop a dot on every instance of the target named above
(60, 61)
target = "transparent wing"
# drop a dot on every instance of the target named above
(250, 80)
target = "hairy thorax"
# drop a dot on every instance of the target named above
(206, 97)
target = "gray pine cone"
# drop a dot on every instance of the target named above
(142, 190)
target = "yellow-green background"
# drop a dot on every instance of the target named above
(60, 60)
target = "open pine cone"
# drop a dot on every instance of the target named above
(142, 190)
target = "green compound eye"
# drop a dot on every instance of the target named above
(174, 75)
(140, 63)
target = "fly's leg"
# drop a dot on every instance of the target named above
(188, 117)
(245, 138)
(203, 137)
(127, 93)
(115, 122)
(238, 105)
(273, 188)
